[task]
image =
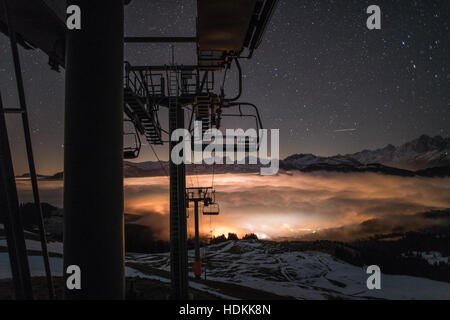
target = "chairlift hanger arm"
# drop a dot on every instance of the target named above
(249, 56)
(238, 65)
(263, 20)
(239, 104)
(191, 119)
(202, 85)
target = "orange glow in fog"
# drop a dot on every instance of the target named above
(293, 205)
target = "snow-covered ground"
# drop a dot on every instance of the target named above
(53, 247)
(36, 266)
(56, 264)
(269, 267)
(300, 274)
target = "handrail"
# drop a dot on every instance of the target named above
(133, 81)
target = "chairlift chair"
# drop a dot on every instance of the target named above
(210, 205)
(132, 151)
(248, 143)
(212, 209)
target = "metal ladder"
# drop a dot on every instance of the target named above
(135, 97)
(202, 111)
(152, 129)
(9, 203)
(178, 229)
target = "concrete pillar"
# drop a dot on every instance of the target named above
(93, 151)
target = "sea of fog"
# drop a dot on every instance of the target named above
(278, 206)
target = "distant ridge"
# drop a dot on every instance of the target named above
(422, 153)
(425, 156)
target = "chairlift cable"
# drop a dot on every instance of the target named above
(160, 162)
(196, 174)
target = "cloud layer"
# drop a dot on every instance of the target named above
(284, 205)
(294, 205)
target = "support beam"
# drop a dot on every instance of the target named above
(161, 39)
(13, 110)
(198, 195)
(178, 231)
(93, 151)
(173, 68)
(28, 144)
(197, 263)
(163, 68)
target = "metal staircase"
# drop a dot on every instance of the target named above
(202, 111)
(138, 107)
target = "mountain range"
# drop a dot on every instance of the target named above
(422, 153)
(424, 156)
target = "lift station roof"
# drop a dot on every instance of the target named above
(38, 24)
(224, 27)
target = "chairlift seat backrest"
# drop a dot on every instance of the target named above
(211, 210)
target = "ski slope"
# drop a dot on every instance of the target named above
(265, 266)
(300, 274)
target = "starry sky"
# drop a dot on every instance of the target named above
(320, 76)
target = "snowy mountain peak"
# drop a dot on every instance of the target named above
(421, 153)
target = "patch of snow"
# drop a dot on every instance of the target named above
(55, 247)
(133, 273)
(432, 257)
(36, 266)
(300, 274)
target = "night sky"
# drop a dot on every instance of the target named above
(320, 76)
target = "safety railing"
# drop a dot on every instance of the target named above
(133, 80)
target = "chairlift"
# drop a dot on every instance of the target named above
(210, 205)
(212, 209)
(245, 143)
(132, 151)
